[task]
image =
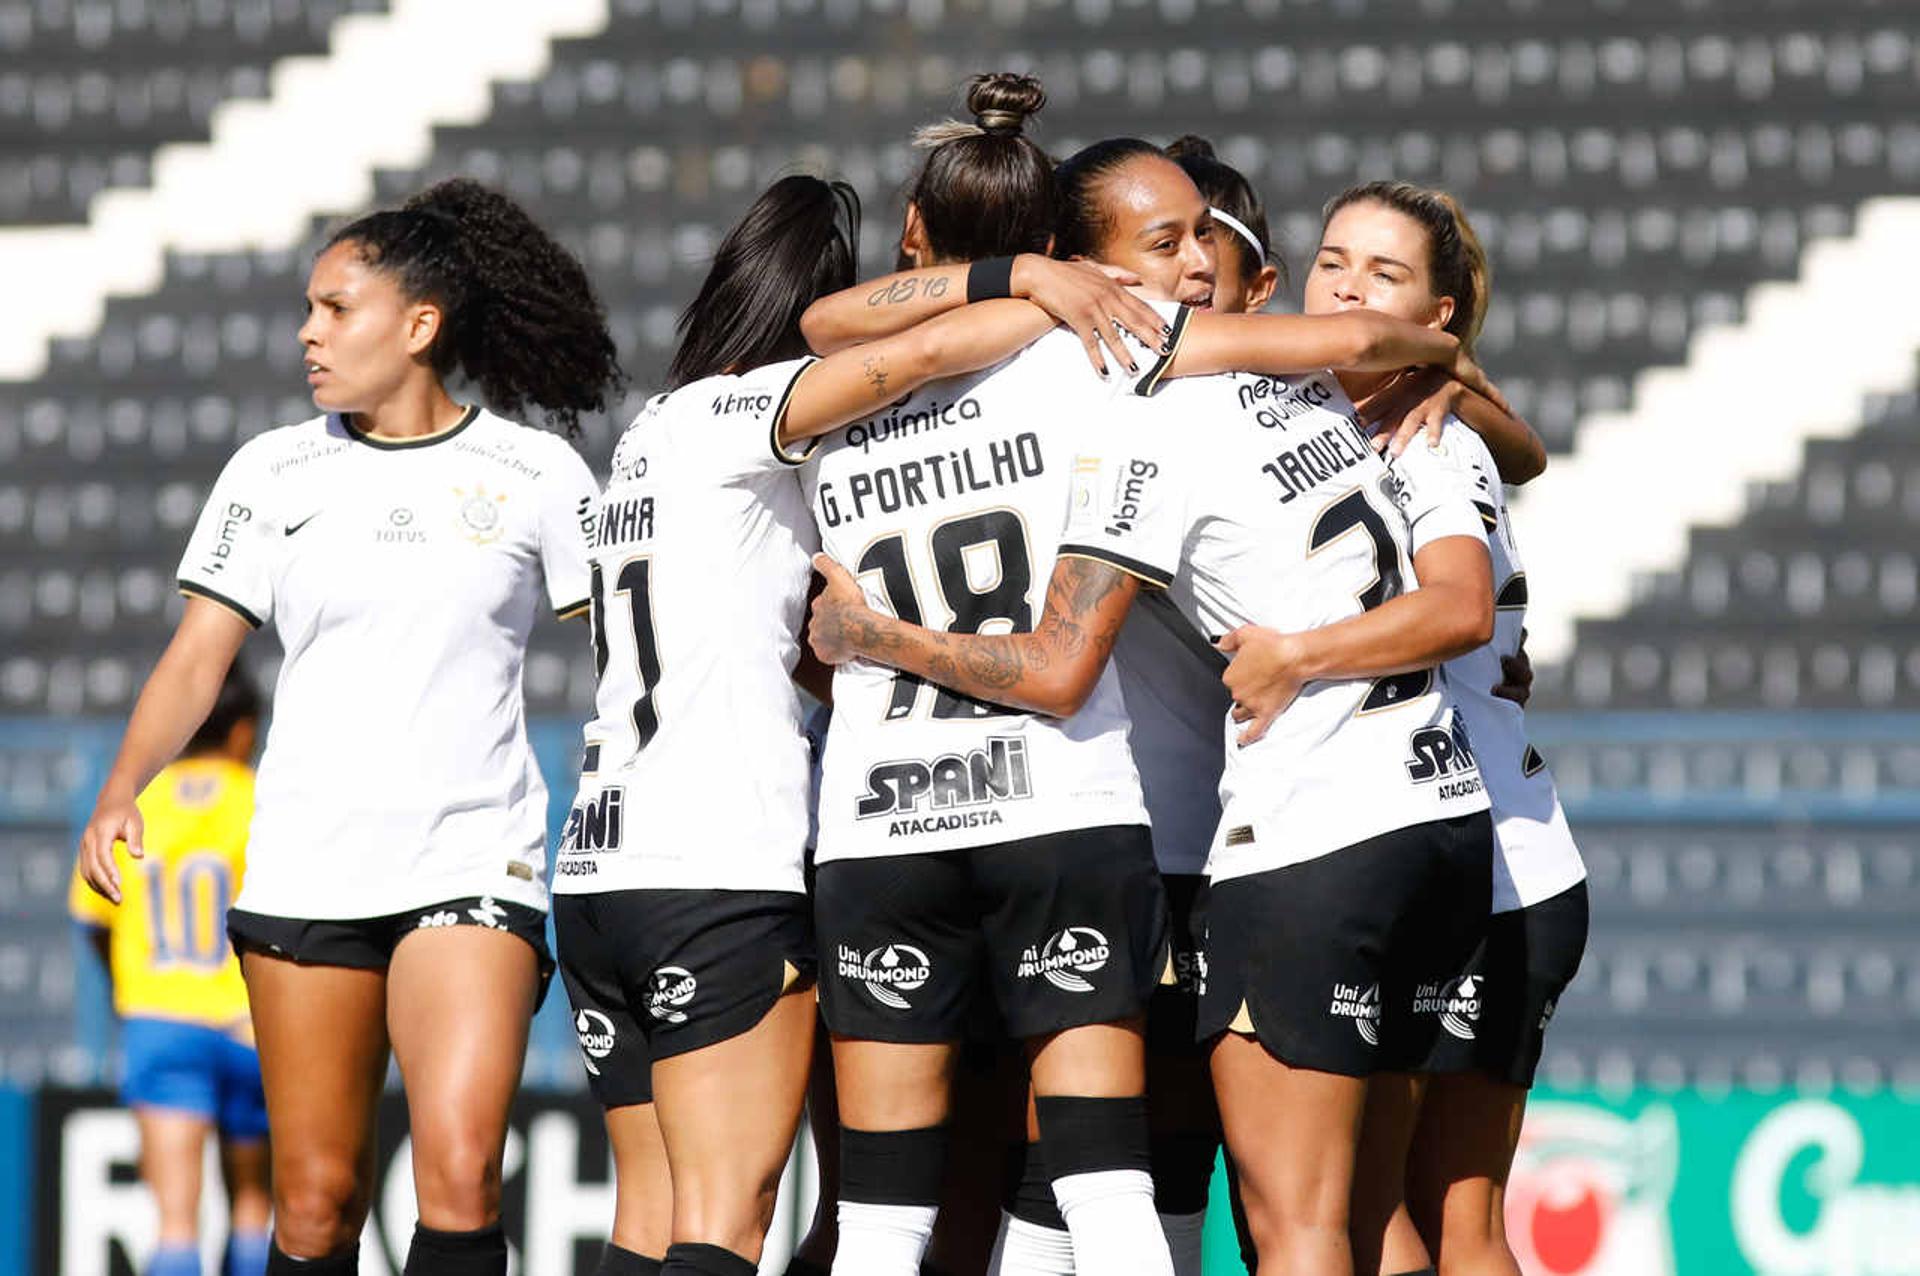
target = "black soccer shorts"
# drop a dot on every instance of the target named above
(657, 973)
(1060, 931)
(1343, 963)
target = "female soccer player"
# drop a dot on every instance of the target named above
(191, 1069)
(684, 930)
(1408, 251)
(402, 543)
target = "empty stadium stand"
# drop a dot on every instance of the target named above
(1737, 748)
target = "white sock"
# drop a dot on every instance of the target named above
(1183, 1238)
(1115, 1230)
(1028, 1249)
(882, 1240)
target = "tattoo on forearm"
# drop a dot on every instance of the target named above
(987, 666)
(875, 366)
(898, 292)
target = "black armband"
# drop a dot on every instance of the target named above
(990, 280)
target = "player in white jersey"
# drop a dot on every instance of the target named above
(1128, 206)
(1405, 250)
(685, 934)
(402, 545)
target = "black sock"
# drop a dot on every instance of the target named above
(1183, 1170)
(893, 1167)
(615, 1261)
(1029, 1195)
(438, 1253)
(342, 1262)
(706, 1260)
(801, 1267)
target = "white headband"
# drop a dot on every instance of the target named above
(1239, 228)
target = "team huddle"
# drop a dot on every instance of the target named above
(1166, 789)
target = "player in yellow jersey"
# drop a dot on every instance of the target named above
(191, 1069)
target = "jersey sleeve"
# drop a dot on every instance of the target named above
(1435, 485)
(1154, 363)
(736, 428)
(1129, 507)
(568, 496)
(229, 556)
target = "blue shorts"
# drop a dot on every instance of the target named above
(186, 1067)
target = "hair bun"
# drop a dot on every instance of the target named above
(1001, 102)
(1191, 145)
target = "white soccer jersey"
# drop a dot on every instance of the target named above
(1170, 680)
(403, 578)
(1255, 500)
(948, 507)
(1537, 857)
(696, 764)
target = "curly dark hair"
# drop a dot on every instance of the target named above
(519, 315)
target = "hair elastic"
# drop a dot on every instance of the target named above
(1239, 228)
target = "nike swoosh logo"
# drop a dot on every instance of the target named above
(291, 528)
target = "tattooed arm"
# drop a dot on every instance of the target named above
(1051, 670)
(1092, 300)
(856, 382)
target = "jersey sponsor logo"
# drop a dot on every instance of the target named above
(997, 773)
(887, 972)
(628, 468)
(938, 477)
(596, 1035)
(500, 454)
(596, 823)
(489, 914)
(729, 404)
(232, 519)
(400, 529)
(1362, 1005)
(1274, 402)
(309, 450)
(898, 423)
(1458, 1002)
(1313, 461)
(669, 989)
(1437, 752)
(622, 521)
(480, 517)
(1129, 497)
(1066, 957)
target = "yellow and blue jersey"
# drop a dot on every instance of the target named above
(168, 947)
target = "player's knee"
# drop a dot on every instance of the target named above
(720, 1209)
(319, 1205)
(457, 1179)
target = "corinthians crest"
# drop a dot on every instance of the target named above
(480, 514)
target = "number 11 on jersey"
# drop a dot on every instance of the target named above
(635, 580)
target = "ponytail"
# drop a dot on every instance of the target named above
(1457, 263)
(518, 314)
(986, 189)
(798, 242)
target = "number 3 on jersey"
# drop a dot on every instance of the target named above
(1005, 600)
(1351, 512)
(635, 580)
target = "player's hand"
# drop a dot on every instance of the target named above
(839, 610)
(114, 819)
(1516, 675)
(1094, 302)
(1263, 677)
(1412, 401)
(1469, 374)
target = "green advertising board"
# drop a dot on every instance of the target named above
(1695, 1185)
